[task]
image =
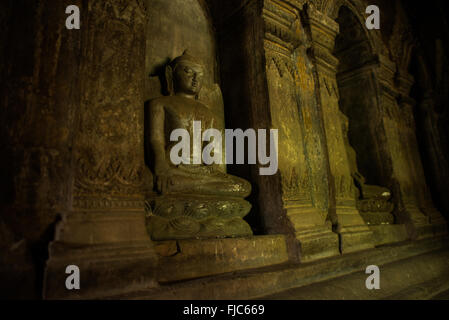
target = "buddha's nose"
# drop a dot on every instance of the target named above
(195, 80)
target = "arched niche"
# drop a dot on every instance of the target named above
(358, 95)
(197, 25)
(174, 26)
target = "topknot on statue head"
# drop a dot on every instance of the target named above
(185, 58)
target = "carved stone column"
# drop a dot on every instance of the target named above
(39, 99)
(301, 143)
(354, 233)
(104, 234)
(433, 146)
(396, 160)
(274, 86)
(409, 141)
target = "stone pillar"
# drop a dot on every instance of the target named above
(410, 144)
(260, 42)
(39, 94)
(104, 233)
(389, 126)
(433, 147)
(354, 233)
(301, 142)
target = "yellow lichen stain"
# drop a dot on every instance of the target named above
(305, 80)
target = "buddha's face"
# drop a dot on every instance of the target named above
(188, 78)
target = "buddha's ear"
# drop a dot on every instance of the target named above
(169, 80)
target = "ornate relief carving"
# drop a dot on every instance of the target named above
(323, 33)
(178, 217)
(324, 29)
(344, 187)
(330, 87)
(294, 186)
(375, 205)
(112, 175)
(281, 22)
(282, 37)
(285, 116)
(107, 203)
(283, 66)
(124, 9)
(109, 146)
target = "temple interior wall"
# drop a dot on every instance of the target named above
(73, 124)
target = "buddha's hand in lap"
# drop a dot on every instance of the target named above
(164, 175)
(167, 177)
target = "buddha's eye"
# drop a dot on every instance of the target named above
(188, 70)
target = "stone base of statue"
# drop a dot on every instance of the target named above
(376, 211)
(377, 214)
(175, 217)
(388, 233)
(208, 257)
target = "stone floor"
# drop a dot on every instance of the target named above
(442, 296)
(408, 270)
(409, 279)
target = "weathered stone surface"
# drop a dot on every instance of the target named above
(218, 256)
(317, 243)
(354, 233)
(421, 283)
(197, 218)
(286, 86)
(105, 226)
(39, 98)
(261, 283)
(383, 234)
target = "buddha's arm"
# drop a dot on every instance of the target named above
(218, 124)
(157, 136)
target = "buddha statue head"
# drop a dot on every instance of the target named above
(184, 76)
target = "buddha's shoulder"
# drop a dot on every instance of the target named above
(161, 101)
(202, 104)
(173, 101)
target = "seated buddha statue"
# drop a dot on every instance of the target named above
(190, 200)
(373, 201)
